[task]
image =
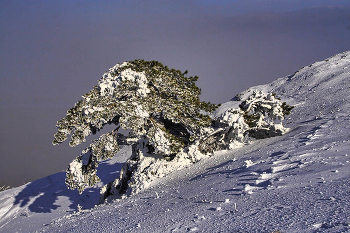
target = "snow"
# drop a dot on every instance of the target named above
(297, 182)
(108, 83)
(160, 142)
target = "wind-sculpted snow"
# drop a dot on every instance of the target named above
(297, 182)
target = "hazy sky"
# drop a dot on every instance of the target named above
(52, 52)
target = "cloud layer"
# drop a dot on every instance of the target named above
(54, 52)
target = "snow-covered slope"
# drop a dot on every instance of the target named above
(30, 206)
(298, 182)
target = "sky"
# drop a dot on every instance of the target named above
(53, 52)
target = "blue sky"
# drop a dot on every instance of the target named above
(52, 52)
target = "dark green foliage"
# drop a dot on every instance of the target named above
(251, 119)
(263, 110)
(172, 96)
(4, 187)
(286, 108)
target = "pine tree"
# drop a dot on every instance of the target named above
(159, 106)
(169, 127)
(264, 113)
(259, 116)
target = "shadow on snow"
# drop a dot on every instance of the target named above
(46, 191)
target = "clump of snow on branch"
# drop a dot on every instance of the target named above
(108, 83)
(160, 143)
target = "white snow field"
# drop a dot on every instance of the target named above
(298, 182)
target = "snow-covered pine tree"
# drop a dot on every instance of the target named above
(160, 107)
(264, 113)
(259, 116)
